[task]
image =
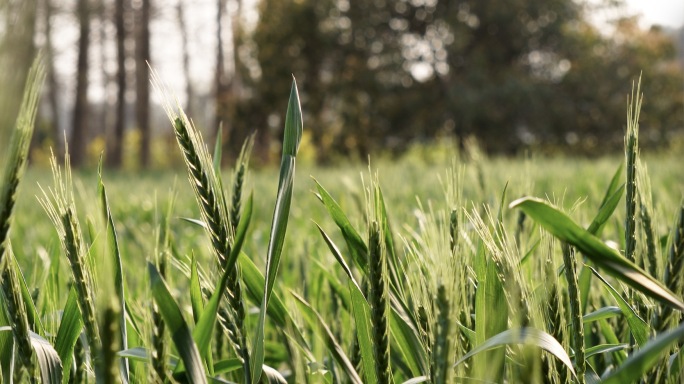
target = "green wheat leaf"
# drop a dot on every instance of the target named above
(180, 333)
(564, 228)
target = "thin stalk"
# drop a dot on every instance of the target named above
(20, 325)
(159, 332)
(440, 350)
(632, 155)
(575, 312)
(110, 343)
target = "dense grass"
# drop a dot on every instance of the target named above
(399, 271)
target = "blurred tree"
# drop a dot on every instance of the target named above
(380, 74)
(53, 91)
(228, 81)
(79, 132)
(189, 91)
(17, 50)
(115, 142)
(142, 82)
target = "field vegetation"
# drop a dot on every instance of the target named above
(461, 269)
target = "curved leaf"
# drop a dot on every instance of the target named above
(48, 360)
(602, 313)
(645, 358)
(69, 330)
(527, 336)
(637, 326)
(564, 228)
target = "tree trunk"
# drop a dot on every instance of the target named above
(17, 51)
(220, 74)
(189, 91)
(142, 82)
(107, 112)
(79, 133)
(53, 88)
(115, 155)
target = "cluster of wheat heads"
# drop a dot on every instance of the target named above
(457, 296)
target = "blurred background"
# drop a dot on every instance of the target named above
(379, 77)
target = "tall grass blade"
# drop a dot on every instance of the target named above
(277, 311)
(292, 138)
(672, 276)
(564, 228)
(526, 336)
(115, 253)
(357, 247)
(610, 201)
(68, 333)
(645, 358)
(333, 346)
(491, 316)
(180, 333)
(362, 319)
(637, 326)
(606, 211)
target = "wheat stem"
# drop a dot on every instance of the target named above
(440, 350)
(575, 311)
(17, 311)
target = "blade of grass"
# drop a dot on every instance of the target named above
(602, 313)
(180, 333)
(491, 316)
(637, 326)
(361, 311)
(357, 247)
(114, 252)
(291, 140)
(338, 353)
(526, 336)
(69, 330)
(645, 358)
(48, 360)
(564, 228)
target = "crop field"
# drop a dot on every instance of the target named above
(459, 269)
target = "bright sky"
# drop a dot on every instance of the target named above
(668, 13)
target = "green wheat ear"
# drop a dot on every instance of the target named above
(19, 147)
(379, 303)
(61, 208)
(207, 186)
(631, 157)
(20, 324)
